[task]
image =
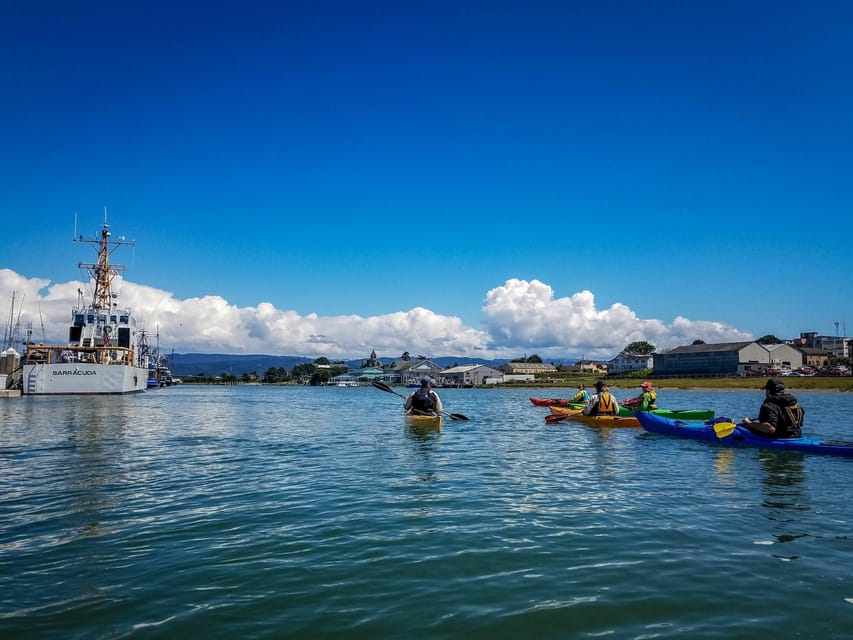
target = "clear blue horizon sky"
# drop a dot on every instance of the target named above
(363, 160)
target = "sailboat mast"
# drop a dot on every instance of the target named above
(7, 332)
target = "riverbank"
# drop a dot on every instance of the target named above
(793, 383)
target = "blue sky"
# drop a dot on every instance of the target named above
(442, 177)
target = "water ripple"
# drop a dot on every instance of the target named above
(260, 512)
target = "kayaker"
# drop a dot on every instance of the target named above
(780, 415)
(602, 402)
(581, 396)
(424, 401)
(645, 401)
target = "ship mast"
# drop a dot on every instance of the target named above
(102, 272)
(9, 332)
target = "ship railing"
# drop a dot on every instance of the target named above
(112, 355)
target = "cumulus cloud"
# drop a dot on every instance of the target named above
(211, 324)
(523, 315)
(519, 317)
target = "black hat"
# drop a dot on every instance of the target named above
(774, 385)
(599, 384)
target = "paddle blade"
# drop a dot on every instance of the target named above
(457, 416)
(723, 429)
(382, 386)
(553, 418)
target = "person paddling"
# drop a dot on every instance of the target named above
(780, 415)
(645, 401)
(602, 402)
(424, 401)
(580, 396)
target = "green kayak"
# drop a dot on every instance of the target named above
(685, 415)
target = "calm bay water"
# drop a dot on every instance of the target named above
(315, 513)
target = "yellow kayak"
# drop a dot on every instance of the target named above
(574, 415)
(423, 422)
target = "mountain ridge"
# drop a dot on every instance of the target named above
(211, 364)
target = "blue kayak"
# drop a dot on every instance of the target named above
(740, 436)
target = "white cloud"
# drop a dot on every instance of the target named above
(519, 316)
(524, 316)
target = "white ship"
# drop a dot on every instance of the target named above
(102, 355)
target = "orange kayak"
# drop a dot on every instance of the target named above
(575, 415)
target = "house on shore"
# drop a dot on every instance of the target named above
(594, 367)
(626, 362)
(410, 371)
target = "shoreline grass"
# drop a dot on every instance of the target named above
(792, 383)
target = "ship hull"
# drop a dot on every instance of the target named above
(78, 378)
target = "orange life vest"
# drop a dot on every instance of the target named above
(606, 404)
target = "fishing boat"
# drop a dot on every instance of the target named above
(102, 355)
(159, 374)
(149, 356)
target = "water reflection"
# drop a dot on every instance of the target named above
(96, 429)
(723, 467)
(782, 484)
(605, 454)
(423, 444)
(784, 475)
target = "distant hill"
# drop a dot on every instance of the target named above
(212, 364)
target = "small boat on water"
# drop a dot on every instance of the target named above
(552, 402)
(102, 355)
(688, 415)
(423, 422)
(575, 415)
(729, 434)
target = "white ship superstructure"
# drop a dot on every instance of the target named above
(102, 355)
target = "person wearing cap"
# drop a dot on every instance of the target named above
(645, 401)
(580, 396)
(780, 415)
(424, 401)
(602, 402)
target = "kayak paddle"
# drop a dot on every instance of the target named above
(723, 429)
(384, 387)
(558, 417)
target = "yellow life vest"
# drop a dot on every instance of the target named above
(606, 404)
